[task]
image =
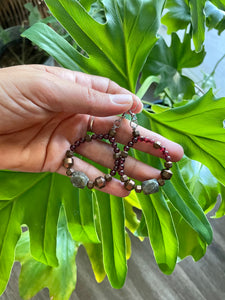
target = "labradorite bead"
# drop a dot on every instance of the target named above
(150, 186)
(79, 179)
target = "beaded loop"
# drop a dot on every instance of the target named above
(150, 186)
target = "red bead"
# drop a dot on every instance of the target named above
(112, 139)
(82, 140)
(72, 148)
(114, 145)
(77, 143)
(162, 149)
(147, 140)
(152, 141)
(122, 159)
(141, 138)
(117, 162)
(116, 168)
(126, 148)
(168, 158)
(121, 172)
(134, 139)
(106, 136)
(121, 166)
(94, 136)
(100, 136)
(116, 150)
(130, 144)
(112, 172)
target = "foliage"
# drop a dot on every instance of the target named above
(174, 219)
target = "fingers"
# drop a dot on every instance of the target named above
(87, 94)
(114, 187)
(124, 135)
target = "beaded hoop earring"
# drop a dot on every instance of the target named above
(150, 186)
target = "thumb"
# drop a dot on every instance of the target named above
(66, 96)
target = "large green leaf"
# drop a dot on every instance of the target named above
(177, 16)
(35, 200)
(112, 222)
(168, 62)
(131, 26)
(35, 276)
(198, 126)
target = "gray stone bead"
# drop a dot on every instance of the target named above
(79, 179)
(150, 186)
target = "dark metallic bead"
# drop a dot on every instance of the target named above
(138, 188)
(135, 133)
(157, 145)
(69, 172)
(150, 186)
(68, 162)
(124, 178)
(108, 177)
(161, 181)
(166, 174)
(90, 184)
(124, 154)
(129, 185)
(69, 153)
(88, 138)
(112, 132)
(100, 182)
(116, 155)
(168, 164)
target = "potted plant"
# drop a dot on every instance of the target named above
(123, 45)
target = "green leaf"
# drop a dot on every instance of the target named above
(221, 210)
(112, 222)
(35, 276)
(134, 36)
(178, 15)
(168, 62)
(131, 221)
(161, 231)
(198, 127)
(213, 15)
(35, 199)
(198, 22)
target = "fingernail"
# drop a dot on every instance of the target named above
(122, 99)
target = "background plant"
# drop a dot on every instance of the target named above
(121, 42)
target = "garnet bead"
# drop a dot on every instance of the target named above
(112, 172)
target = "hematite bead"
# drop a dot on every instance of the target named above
(157, 145)
(166, 174)
(90, 184)
(69, 153)
(69, 172)
(124, 178)
(124, 154)
(68, 162)
(168, 164)
(161, 181)
(150, 186)
(129, 185)
(79, 179)
(100, 182)
(138, 188)
(88, 138)
(108, 177)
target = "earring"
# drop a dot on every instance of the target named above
(150, 186)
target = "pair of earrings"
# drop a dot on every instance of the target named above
(150, 186)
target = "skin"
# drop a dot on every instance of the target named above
(45, 109)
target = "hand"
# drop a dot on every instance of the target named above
(45, 109)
